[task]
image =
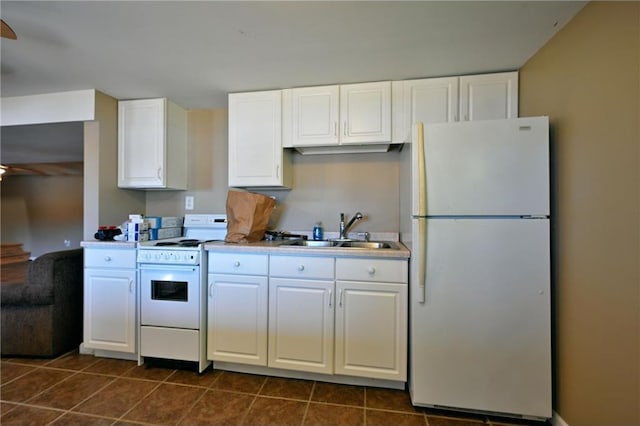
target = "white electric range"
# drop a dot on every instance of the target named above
(173, 291)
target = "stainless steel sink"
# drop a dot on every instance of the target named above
(369, 245)
(363, 244)
(308, 243)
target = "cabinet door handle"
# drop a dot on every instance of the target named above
(335, 128)
(278, 171)
(340, 297)
(210, 289)
(330, 297)
(159, 173)
(130, 286)
(344, 128)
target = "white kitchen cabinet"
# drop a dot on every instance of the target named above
(152, 144)
(256, 155)
(301, 325)
(110, 299)
(489, 96)
(430, 100)
(301, 313)
(365, 113)
(237, 308)
(450, 99)
(349, 114)
(315, 115)
(371, 318)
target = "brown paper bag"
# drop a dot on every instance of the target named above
(247, 216)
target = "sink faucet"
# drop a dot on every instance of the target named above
(344, 229)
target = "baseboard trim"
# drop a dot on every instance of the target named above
(556, 420)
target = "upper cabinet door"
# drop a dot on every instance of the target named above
(430, 100)
(255, 139)
(365, 113)
(489, 96)
(141, 143)
(315, 115)
(152, 144)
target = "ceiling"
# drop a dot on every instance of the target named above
(195, 53)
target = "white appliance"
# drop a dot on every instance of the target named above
(480, 267)
(173, 291)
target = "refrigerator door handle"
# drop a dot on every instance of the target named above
(422, 172)
(422, 260)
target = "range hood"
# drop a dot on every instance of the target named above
(342, 149)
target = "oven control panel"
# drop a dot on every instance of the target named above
(173, 257)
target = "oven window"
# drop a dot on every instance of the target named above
(175, 291)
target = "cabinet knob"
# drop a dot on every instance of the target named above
(107, 258)
(372, 270)
(300, 268)
(236, 263)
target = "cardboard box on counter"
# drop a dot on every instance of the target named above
(132, 228)
(157, 222)
(137, 231)
(138, 236)
(162, 233)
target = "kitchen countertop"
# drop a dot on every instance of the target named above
(274, 247)
(280, 247)
(110, 244)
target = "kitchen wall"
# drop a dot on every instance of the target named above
(42, 211)
(104, 202)
(324, 185)
(587, 79)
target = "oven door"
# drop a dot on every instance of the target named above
(170, 296)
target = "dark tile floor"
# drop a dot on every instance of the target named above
(83, 390)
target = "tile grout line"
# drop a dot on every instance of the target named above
(364, 406)
(47, 388)
(48, 366)
(61, 411)
(244, 417)
(187, 411)
(16, 378)
(121, 418)
(113, 379)
(306, 410)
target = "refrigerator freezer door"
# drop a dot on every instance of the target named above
(484, 168)
(481, 340)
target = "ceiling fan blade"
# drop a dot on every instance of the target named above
(6, 31)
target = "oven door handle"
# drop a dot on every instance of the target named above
(167, 267)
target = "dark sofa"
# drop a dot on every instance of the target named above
(43, 316)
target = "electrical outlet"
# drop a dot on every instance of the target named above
(188, 202)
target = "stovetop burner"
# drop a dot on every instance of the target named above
(166, 243)
(187, 242)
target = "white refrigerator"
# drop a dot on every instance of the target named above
(480, 267)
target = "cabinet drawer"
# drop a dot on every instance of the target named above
(236, 263)
(110, 258)
(378, 270)
(302, 267)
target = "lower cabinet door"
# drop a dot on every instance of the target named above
(301, 325)
(237, 319)
(371, 330)
(110, 309)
